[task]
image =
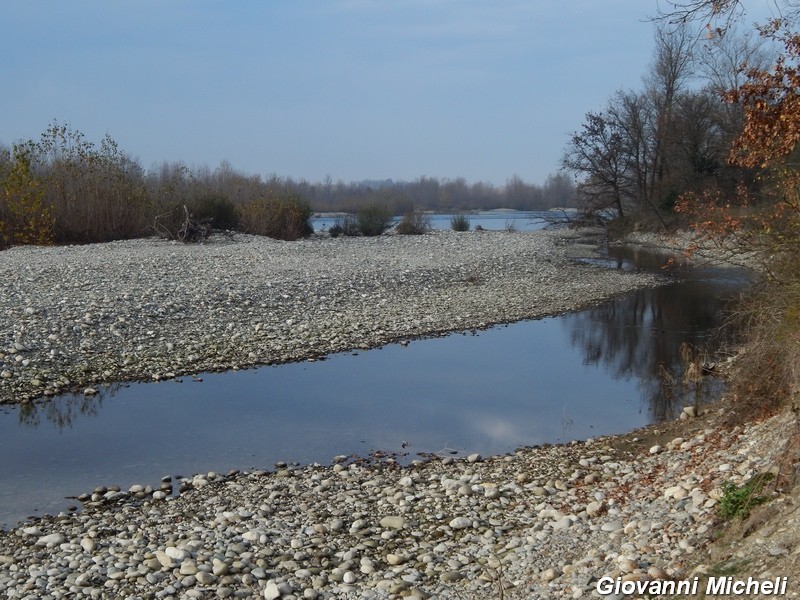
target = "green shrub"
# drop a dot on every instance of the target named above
(217, 209)
(373, 219)
(459, 222)
(282, 215)
(414, 223)
(739, 501)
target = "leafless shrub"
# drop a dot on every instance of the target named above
(280, 215)
(414, 223)
(187, 229)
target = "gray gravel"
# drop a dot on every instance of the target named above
(152, 309)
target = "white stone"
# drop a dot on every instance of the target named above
(393, 522)
(460, 523)
(165, 559)
(611, 526)
(88, 545)
(548, 575)
(676, 492)
(626, 565)
(282, 589)
(564, 523)
(594, 508)
(53, 539)
(175, 553)
(205, 578)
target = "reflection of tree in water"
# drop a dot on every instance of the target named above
(64, 410)
(640, 335)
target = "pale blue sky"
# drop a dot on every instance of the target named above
(354, 89)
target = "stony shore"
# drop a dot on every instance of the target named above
(540, 523)
(79, 316)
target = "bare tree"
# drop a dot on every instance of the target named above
(625, 153)
(599, 153)
(724, 63)
(719, 16)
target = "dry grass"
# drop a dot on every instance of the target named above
(282, 216)
(767, 373)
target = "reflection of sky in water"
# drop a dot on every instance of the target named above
(510, 386)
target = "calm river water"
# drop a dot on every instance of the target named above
(594, 372)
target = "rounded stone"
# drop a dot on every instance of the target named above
(393, 522)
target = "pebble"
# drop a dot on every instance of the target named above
(460, 523)
(393, 522)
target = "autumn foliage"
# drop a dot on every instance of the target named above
(24, 217)
(765, 215)
(772, 104)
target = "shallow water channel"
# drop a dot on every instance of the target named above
(604, 370)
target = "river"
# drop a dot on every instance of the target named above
(604, 370)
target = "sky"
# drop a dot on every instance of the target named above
(308, 89)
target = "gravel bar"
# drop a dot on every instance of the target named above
(151, 309)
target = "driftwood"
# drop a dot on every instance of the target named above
(190, 229)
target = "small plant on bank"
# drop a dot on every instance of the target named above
(373, 219)
(459, 222)
(414, 223)
(738, 501)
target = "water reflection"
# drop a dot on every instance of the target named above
(642, 334)
(63, 411)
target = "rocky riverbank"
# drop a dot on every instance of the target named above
(150, 309)
(540, 523)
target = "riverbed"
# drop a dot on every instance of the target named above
(602, 370)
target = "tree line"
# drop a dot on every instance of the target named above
(448, 195)
(64, 188)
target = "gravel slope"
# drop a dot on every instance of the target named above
(151, 309)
